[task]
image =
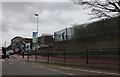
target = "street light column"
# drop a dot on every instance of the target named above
(37, 25)
(37, 21)
(37, 37)
(5, 44)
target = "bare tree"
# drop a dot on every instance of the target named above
(100, 8)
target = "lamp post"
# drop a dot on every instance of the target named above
(5, 44)
(36, 38)
(37, 21)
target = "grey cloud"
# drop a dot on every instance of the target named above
(15, 7)
(5, 27)
(18, 17)
(54, 17)
(52, 6)
(0, 17)
(16, 14)
(19, 7)
(23, 13)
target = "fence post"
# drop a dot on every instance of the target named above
(28, 56)
(35, 54)
(118, 59)
(64, 56)
(48, 55)
(87, 56)
(66, 35)
(23, 54)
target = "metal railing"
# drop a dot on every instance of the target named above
(94, 43)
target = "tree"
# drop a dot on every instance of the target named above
(100, 8)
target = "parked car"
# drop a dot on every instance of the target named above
(11, 52)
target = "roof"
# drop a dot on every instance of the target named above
(15, 38)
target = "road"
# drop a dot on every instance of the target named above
(19, 67)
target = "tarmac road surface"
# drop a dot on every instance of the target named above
(21, 68)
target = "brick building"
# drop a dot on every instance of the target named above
(45, 40)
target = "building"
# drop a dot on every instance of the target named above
(45, 40)
(16, 43)
(28, 41)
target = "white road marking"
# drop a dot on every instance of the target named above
(34, 66)
(93, 71)
(57, 70)
(84, 70)
(40, 66)
(10, 63)
(52, 69)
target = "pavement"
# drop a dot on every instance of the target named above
(19, 57)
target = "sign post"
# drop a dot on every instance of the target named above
(28, 50)
(35, 41)
(35, 37)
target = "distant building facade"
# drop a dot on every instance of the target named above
(28, 41)
(18, 43)
(45, 40)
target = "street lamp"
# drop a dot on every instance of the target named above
(37, 38)
(5, 44)
(37, 21)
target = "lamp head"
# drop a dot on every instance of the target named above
(36, 14)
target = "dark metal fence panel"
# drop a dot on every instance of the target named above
(94, 43)
(104, 57)
(99, 28)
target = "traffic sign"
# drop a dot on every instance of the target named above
(35, 39)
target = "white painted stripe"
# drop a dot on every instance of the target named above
(88, 70)
(56, 70)
(83, 70)
(40, 66)
(9, 63)
(34, 66)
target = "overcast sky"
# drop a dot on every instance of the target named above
(18, 18)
